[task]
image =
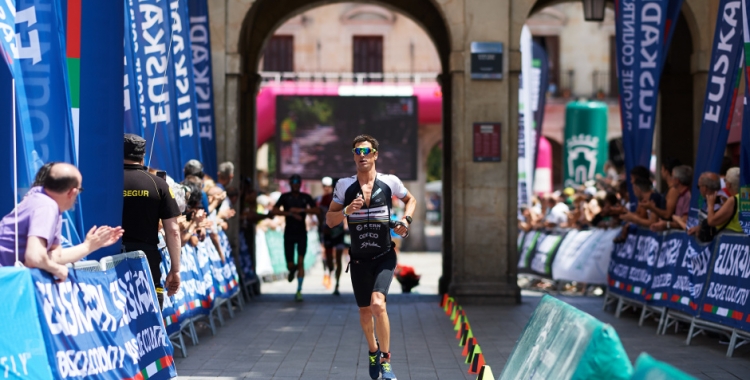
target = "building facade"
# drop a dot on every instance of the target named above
(479, 198)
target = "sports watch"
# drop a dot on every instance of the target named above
(408, 219)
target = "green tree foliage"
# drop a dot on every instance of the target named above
(435, 163)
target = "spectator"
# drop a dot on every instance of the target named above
(225, 175)
(643, 191)
(609, 216)
(727, 217)
(528, 219)
(708, 183)
(39, 221)
(557, 212)
(682, 179)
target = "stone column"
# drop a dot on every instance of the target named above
(483, 193)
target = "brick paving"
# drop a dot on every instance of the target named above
(320, 338)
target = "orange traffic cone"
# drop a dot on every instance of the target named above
(449, 306)
(473, 353)
(477, 364)
(467, 334)
(469, 346)
(459, 311)
(444, 300)
(464, 326)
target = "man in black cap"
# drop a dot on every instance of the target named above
(146, 200)
(296, 205)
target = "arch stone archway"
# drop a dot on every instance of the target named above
(479, 251)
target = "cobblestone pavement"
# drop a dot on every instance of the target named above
(320, 338)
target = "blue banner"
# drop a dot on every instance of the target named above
(695, 265)
(103, 325)
(132, 120)
(46, 123)
(154, 81)
(8, 48)
(101, 149)
(721, 92)
(619, 266)
(745, 143)
(640, 32)
(182, 84)
(246, 261)
(230, 268)
(632, 265)
(22, 351)
(200, 43)
(665, 277)
(725, 300)
(191, 299)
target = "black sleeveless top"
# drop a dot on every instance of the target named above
(368, 227)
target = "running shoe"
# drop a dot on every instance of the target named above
(387, 371)
(298, 297)
(374, 363)
(327, 281)
(290, 277)
(336, 292)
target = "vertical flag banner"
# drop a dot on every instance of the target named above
(100, 112)
(540, 83)
(721, 92)
(183, 85)
(132, 120)
(525, 122)
(745, 144)
(8, 48)
(150, 45)
(200, 43)
(41, 52)
(73, 55)
(640, 28)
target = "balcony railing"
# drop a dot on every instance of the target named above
(348, 78)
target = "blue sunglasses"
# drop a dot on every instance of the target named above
(365, 151)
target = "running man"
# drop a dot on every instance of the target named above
(365, 201)
(296, 207)
(332, 237)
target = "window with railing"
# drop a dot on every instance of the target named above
(279, 54)
(368, 54)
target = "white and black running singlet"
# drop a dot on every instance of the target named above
(368, 227)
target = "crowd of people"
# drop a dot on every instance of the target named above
(606, 203)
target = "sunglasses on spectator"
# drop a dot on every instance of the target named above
(365, 151)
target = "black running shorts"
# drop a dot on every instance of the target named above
(290, 240)
(370, 276)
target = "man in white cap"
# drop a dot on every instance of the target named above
(332, 238)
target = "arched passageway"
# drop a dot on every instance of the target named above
(259, 24)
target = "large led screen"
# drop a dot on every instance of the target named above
(314, 134)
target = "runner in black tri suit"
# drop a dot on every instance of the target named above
(365, 200)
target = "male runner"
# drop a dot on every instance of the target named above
(365, 201)
(332, 238)
(296, 205)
